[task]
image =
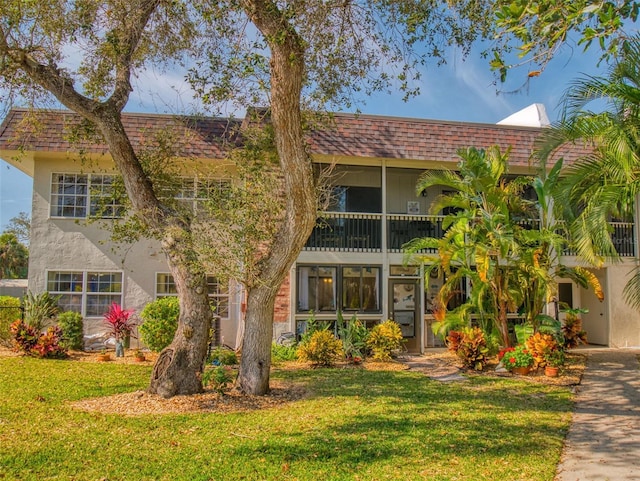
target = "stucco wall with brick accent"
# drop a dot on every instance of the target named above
(282, 309)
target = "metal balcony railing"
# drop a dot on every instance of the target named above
(623, 238)
(362, 232)
(404, 228)
(351, 232)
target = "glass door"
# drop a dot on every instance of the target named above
(404, 306)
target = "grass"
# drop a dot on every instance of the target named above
(354, 425)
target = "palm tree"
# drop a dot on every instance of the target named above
(482, 237)
(490, 239)
(603, 112)
(541, 251)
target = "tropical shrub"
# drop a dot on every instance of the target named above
(572, 329)
(550, 325)
(384, 339)
(48, 344)
(9, 312)
(518, 356)
(281, 353)
(321, 349)
(539, 345)
(353, 334)
(40, 309)
(447, 321)
(470, 345)
(555, 358)
(159, 323)
(119, 321)
(453, 340)
(24, 336)
(30, 341)
(71, 324)
(312, 326)
(222, 356)
(523, 332)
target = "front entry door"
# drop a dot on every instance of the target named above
(596, 321)
(404, 304)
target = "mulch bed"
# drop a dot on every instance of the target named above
(141, 403)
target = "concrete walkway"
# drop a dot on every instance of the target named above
(603, 443)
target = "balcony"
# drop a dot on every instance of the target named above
(404, 228)
(623, 238)
(349, 232)
(359, 232)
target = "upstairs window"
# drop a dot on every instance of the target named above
(77, 196)
(194, 192)
(69, 195)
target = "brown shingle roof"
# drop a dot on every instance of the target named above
(351, 136)
(402, 138)
(50, 132)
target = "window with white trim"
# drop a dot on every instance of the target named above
(78, 195)
(194, 192)
(218, 292)
(88, 292)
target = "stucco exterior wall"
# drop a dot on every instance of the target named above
(70, 244)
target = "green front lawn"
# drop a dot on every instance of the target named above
(353, 425)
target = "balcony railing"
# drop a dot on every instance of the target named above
(356, 232)
(404, 228)
(623, 238)
(347, 232)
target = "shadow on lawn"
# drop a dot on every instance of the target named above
(388, 415)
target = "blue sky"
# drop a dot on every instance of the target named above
(458, 91)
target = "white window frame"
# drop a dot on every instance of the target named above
(196, 190)
(85, 204)
(84, 294)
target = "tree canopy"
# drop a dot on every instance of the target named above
(14, 257)
(536, 30)
(287, 55)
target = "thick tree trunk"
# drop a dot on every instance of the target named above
(256, 359)
(287, 75)
(178, 369)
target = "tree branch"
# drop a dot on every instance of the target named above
(132, 36)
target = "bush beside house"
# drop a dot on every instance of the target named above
(159, 323)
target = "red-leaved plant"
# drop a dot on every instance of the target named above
(119, 321)
(30, 341)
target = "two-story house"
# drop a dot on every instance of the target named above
(353, 261)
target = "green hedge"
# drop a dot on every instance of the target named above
(159, 323)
